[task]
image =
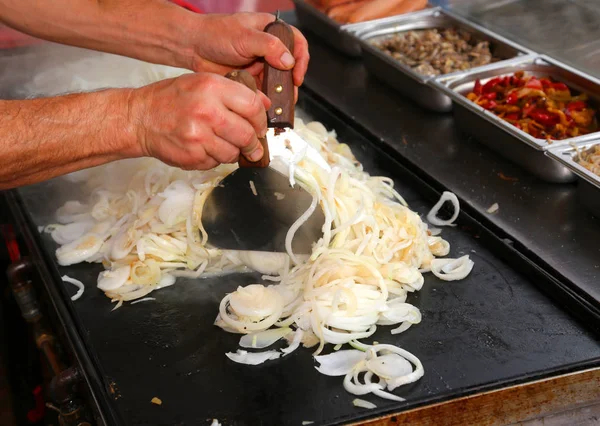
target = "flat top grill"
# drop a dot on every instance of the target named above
(492, 329)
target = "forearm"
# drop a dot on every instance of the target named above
(151, 30)
(45, 138)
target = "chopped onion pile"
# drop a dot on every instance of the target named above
(142, 221)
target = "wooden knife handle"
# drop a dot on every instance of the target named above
(245, 78)
(279, 85)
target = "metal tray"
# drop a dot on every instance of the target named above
(314, 20)
(402, 77)
(503, 137)
(589, 183)
(331, 31)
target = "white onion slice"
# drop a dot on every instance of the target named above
(452, 269)
(264, 339)
(298, 335)
(389, 366)
(215, 422)
(264, 262)
(252, 358)
(113, 279)
(493, 208)
(339, 363)
(77, 283)
(145, 299)
(432, 215)
(357, 402)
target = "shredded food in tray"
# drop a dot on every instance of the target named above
(142, 222)
(589, 158)
(541, 107)
(435, 52)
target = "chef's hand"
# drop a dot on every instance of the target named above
(225, 42)
(199, 121)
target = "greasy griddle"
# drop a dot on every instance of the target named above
(491, 329)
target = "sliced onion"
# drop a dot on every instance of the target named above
(264, 339)
(252, 358)
(339, 363)
(77, 283)
(452, 269)
(493, 208)
(298, 335)
(79, 250)
(263, 262)
(145, 299)
(357, 402)
(389, 366)
(113, 279)
(432, 215)
(64, 234)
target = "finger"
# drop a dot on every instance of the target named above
(255, 68)
(239, 133)
(265, 100)
(207, 164)
(261, 44)
(301, 56)
(247, 104)
(295, 94)
(221, 150)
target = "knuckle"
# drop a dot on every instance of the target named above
(273, 44)
(246, 137)
(233, 156)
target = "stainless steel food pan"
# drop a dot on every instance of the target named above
(502, 136)
(402, 77)
(312, 19)
(589, 183)
(331, 31)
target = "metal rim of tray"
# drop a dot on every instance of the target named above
(564, 154)
(443, 84)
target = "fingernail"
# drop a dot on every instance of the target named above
(257, 154)
(287, 60)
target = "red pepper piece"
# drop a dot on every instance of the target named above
(491, 95)
(489, 86)
(534, 83)
(576, 106)
(544, 117)
(561, 87)
(477, 88)
(512, 98)
(512, 116)
(491, 105)
(527, 110)
(546, 83)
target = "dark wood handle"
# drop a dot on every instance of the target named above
(247, 80)
(279, 85)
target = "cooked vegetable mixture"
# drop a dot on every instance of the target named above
(590, 159)
(541, 107)
(433, 52)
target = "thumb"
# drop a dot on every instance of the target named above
(272, 49)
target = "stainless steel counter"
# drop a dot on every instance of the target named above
(567, 30)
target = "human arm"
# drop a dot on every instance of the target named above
(158, 31)
(195, 122)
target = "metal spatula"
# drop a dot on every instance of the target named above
(254, 207)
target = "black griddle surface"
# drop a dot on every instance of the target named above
(491, 329)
